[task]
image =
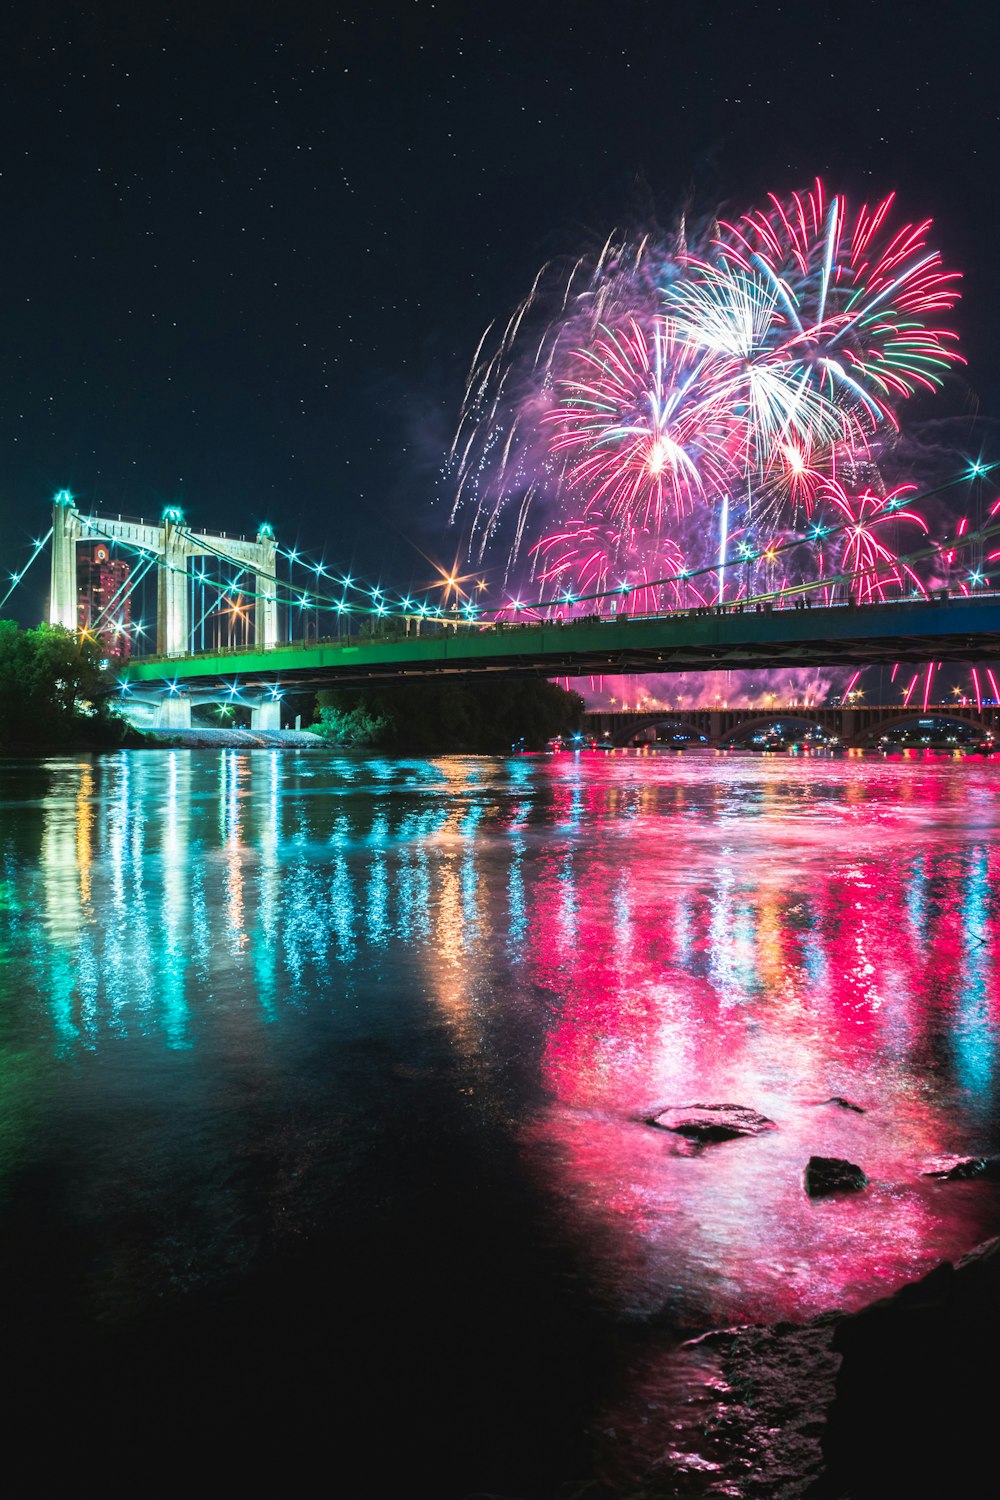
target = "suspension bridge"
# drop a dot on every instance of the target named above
(228, 630)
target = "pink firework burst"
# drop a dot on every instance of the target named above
(867, 528)
(641, 425)
(592, 555)
(861, 294)
(644, 409)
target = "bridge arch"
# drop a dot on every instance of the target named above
(965, 718)
(772, 719)
(625, 734)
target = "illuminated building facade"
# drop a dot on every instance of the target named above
(104, 604)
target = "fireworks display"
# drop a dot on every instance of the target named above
(702, 417)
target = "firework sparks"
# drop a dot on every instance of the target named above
(857, 293)
(637, 426)
(639, 412)
(866, 526)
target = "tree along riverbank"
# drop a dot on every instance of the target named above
(476, 717)
(53, 696)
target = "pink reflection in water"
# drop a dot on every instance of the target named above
(775, 936)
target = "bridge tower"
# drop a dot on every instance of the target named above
(266, 589)
(66, 532)
(175, 546)
(172, 615)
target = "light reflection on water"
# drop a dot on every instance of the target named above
(582, 940)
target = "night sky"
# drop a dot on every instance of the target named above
(250, 248)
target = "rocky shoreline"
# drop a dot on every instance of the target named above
(237, 739)
(202, 738)
(893, 1402)
(896, 1400)
(916, 1392)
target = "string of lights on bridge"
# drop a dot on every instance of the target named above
(374, 602)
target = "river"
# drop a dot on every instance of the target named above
(325, 1082)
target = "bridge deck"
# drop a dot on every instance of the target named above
(919, 630)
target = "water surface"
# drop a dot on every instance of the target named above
(324, 1082)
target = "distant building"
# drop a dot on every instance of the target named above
(104, 605)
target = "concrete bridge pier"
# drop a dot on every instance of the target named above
(174, 712)
(266, 714)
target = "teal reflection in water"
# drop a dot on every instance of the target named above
(975, 1031)
(568, 943)
(376, 903)
(682, 932)
(517, 917)
(728, 951)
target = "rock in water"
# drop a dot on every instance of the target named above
(710, 1123)
(916, 1395)
(843, 1103)
(968, 1166)
(831, 1174)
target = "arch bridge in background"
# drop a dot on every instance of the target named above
(855, 725)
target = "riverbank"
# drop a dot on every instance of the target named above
(174, 739)
(234, 739)
(103, 742)
(896, 1399)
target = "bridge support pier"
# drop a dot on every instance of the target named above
(266, 715)
(174, 713)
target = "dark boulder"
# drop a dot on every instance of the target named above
(966, 1167)
(831, 1174)
(710, 1123)
(843, 1103)
(918, 1387)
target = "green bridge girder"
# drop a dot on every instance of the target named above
(705, 640)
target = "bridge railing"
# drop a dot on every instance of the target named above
(437, 626)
